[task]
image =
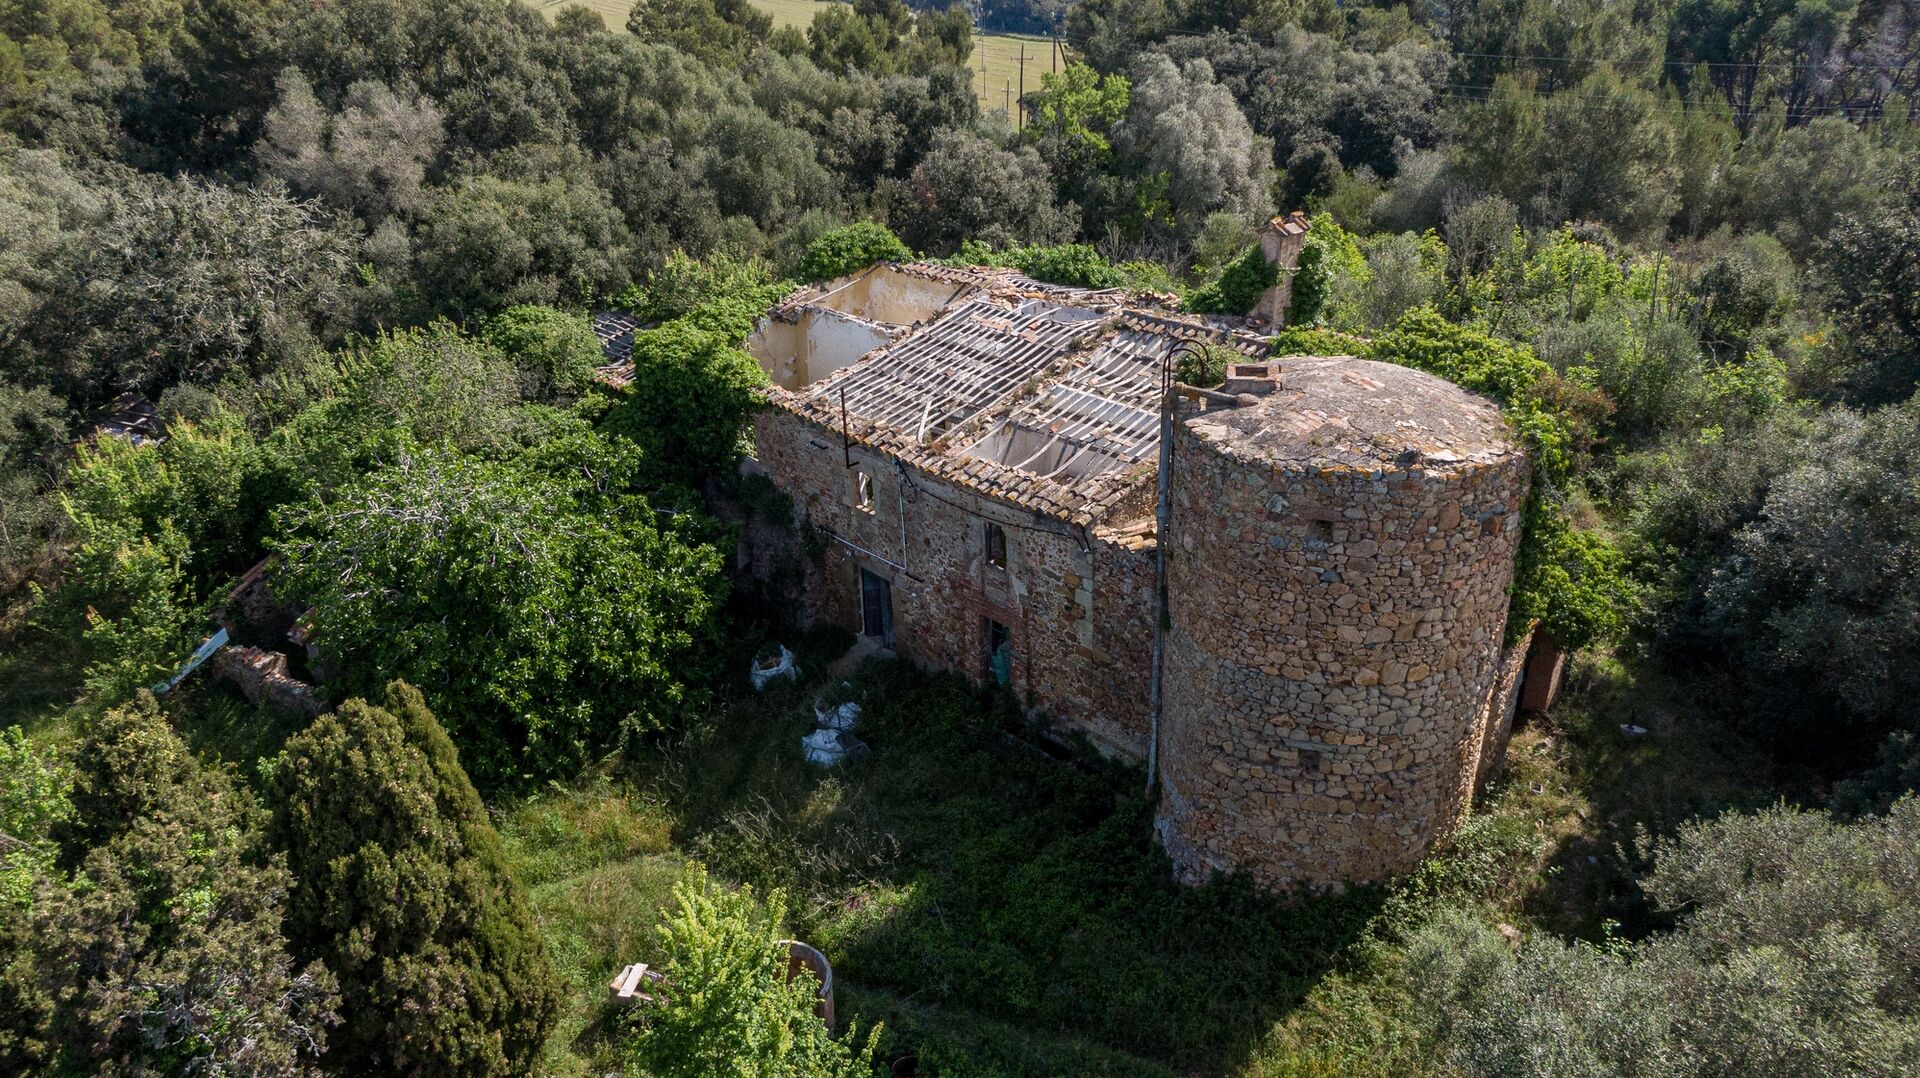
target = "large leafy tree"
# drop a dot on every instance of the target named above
(717, 31)
(547, 614)
(369, 157)
(694, 390)
(968, 187)
(1074, 114)
(1871, 266)
(1184, 132)
(490, 242)
(142, 282)
(405, 894)
(555, 351)
(1816, 601)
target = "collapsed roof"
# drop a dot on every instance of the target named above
(1042, 395)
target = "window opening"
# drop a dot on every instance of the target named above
(996, 546)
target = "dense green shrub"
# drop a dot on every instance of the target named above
(1205, 366)
(35, 789)
(1318, 341)
(1330, 267)
(1237, 288)
(405, 895)
(849, 249)
(694, 390)
(1074, 264)
(728, 1007)
(721, 295)
(548, 614)
(555, 351)
(691, 402)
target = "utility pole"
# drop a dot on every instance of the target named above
(1006, 101)
(1023, 86)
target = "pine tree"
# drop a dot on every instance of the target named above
(405, 894)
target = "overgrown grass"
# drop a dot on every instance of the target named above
(598, 865)
(1608, 788)
(964, 870)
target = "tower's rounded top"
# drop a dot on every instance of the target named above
(1338, 411)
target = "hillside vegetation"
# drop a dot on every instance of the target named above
(348, 253)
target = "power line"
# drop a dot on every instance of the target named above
(1620, 61)
(1605, 103)
(1684, 64)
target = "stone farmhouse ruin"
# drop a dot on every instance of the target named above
(995, 473)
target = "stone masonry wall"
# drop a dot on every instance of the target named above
(1334, 643)
(1078, 607)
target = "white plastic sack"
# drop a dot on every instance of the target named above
(784, 668)
(823, 748)
(830, 747)
(843, 717)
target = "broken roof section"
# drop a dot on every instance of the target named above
(1042, 395)
(615, 330)
(133, 417)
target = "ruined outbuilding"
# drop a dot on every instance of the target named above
(976, 465)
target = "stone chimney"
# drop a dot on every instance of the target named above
(1252, 379)
(1280, 241)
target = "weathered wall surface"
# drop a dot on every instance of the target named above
(1497, 728)
(1336, 632)
(1078, 607)
(816, 343)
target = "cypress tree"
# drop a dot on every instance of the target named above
(162, 954)
(404, 893)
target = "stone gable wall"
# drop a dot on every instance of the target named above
(1079, 608)
(1336, 636)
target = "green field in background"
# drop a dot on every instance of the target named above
(995, 61)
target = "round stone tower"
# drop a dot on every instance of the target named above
(1341, 540)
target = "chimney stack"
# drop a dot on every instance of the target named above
(1280, 241)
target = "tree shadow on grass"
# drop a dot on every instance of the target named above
(962, 868)
(1689, 764)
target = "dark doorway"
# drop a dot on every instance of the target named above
(876, 607)
(999, 652)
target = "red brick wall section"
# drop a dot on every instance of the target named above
(262, 676)
(1079, 607)
(1546, 671)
